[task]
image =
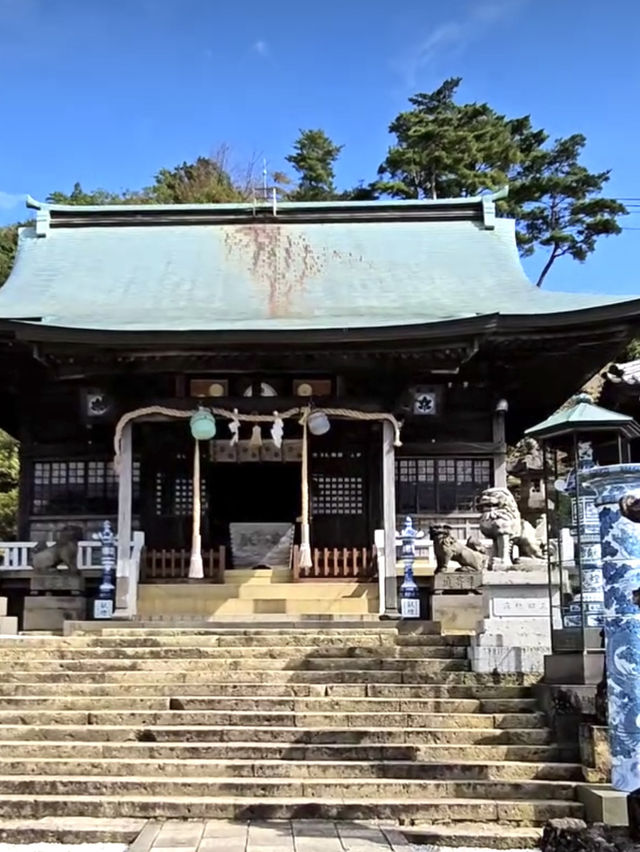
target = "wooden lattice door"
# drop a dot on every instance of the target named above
(345, 496)
(167, 489)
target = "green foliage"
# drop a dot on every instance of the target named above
(632, 351)
(446, 149)
(8, 244)
(558, 205)
(207, 181)
(9, 471)
(78, 196)
(314, 156)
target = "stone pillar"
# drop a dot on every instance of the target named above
(125, 498)
(617, 489)
(8, 623)
(515, 633)
(389, 518)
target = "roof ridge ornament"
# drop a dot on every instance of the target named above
(489, 208)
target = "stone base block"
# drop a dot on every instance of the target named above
(8, 625)
(603, 804)
(3, 607)
(595, 754)
(514, 634)
(49, 612)
(501, 658)
(574, 668)
(456, 613)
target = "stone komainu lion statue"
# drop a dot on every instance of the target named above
(502, 523)
(64, 551)
(448, 549)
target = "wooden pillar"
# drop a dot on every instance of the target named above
(389, 517)
(500, 451)
(124, 531)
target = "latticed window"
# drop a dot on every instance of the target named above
(85, 487)
(174, 495)
(337, 495)
(441, 485)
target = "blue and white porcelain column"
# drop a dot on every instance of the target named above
(587, 607)
(617, 489)
(409, 590)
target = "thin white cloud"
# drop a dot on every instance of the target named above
(261, 47)
(9, 200)
(454, 36)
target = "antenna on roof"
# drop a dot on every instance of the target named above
(265, 188)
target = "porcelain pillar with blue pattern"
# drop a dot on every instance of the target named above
(617, 489)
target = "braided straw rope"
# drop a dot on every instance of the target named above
(162, 411)
(195, 568)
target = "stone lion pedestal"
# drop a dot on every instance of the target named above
(515, 632)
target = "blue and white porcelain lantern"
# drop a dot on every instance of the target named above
(616, 488)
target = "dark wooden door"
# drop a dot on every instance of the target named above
(167, 487)
(345, 494)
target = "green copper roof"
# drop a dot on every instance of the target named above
(584, 416)
(263, 267)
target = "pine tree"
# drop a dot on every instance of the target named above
(314, 159)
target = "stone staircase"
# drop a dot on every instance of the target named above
(366, 723)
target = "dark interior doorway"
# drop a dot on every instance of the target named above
(267, 492)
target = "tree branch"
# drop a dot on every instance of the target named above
(547, 266)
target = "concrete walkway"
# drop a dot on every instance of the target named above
(273, 836)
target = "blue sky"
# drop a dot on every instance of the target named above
(108, 91)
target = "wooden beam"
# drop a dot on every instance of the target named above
(125, 584)
(389, 518)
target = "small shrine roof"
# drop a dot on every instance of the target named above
(277, 267)
(584, 416)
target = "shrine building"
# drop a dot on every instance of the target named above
(358, 361)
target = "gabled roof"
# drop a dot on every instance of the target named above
(280, 267)
(584, 416)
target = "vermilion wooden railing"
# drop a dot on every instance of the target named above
(172, 565)
(336, 563)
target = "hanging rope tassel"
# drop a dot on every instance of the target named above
(305, 543)
(196, 569)
(255, 442)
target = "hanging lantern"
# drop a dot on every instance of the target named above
(318, 423)
(203, 425)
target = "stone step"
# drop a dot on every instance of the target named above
(94, 703)
(263, 679)
(69, 749)
(46, 667)
(264, 788)
(69, 830)
(304, 719)
(190, 653)
(474, 836)
(274, 768)
(283, 626)
(242, 689)
(281, 734)
(299, 638)
(188, 807)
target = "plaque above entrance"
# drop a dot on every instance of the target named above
(261, 544)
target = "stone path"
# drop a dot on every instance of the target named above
(273, 836)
